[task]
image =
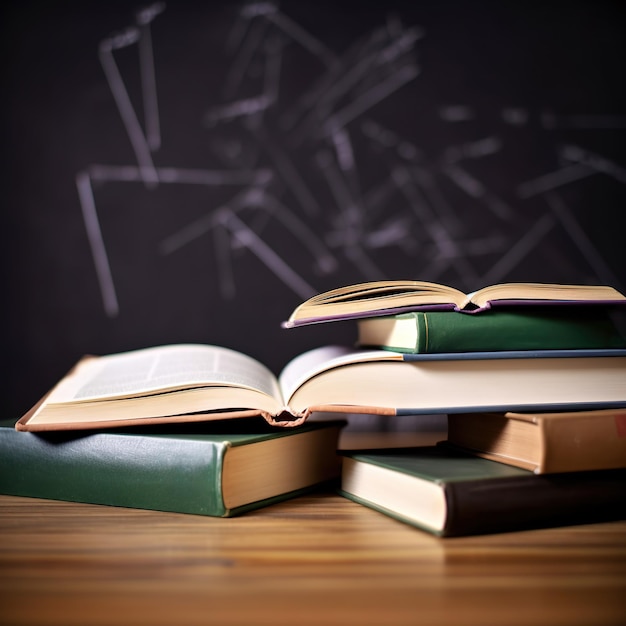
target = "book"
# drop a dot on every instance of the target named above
(449, 493)
(185, 383)
(222, 469)
(544, 442)
(390, 297)
(447, 331)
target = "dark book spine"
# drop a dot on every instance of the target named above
(508, 504)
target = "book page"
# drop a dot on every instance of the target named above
(318, 360)
(165, 368)
(374, 296)
(546, 291)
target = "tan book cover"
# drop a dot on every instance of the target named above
(545, 442)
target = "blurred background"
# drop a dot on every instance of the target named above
(191, 171)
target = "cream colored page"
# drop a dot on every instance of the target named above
(318, 360)
(164, 368)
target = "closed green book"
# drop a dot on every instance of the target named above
(449, 493)
(430, 332)
(222, 469)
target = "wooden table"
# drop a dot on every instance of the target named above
(319, 559)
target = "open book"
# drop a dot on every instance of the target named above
(189, 382)
(390, 297)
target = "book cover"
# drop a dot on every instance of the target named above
(522, 329)
(450, 493)
(222, 470)
(544, 442)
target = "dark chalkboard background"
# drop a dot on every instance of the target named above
(191, 171)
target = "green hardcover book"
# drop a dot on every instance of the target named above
(449, 493)
(222, 469)
(423, 332)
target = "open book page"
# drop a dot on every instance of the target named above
(374, 296)
(383, 289)
(163, 368)
(544, 291)
(395, 296)
(308, 365)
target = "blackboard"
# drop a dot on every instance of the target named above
(190, 171)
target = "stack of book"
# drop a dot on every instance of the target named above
(535, 388)
(208, 430)
(500, 472)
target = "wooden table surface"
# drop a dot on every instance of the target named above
(318, 559)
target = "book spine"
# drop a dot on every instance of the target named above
(511, 330)
(422, 329)
(510, 504)
(157, 473)
(585, 441)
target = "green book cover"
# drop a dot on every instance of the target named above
(217, 469)
(450, 493)
(449, 331)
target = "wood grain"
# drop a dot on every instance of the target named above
(318, 559)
